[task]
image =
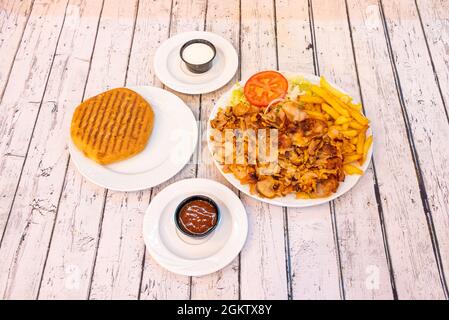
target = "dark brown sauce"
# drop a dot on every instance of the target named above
(197, 217)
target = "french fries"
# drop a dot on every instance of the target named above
(340, 95)
(340, 101)
(345, 120)
(331, 111)
(330, 100)
(359, 117)
(349, 122)
(316, 115)
(350, 169)
(355, 125)
(356, 107)
(311, 99)
(366, 147)
(350, 133)
(361, 142)
(341, 120)
(351, 158)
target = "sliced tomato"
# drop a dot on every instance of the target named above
(264, 87)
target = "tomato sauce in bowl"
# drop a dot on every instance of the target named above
(197, 216)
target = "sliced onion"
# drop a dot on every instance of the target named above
(272, 103)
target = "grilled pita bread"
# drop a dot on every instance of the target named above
(112, 126)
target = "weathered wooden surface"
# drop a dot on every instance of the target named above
(414, 269)
(63, 237)
(28, 227)
(355, 214)
(428, 128)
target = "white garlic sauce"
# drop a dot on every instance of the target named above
(197, 53)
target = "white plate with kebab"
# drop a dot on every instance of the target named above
(324, 141)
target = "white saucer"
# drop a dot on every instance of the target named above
(171, 70)
(171, 144)
(289, 200)
(194, 257)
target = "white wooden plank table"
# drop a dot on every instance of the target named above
(62, 237)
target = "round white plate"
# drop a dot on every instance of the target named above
(289, 200)
(180, 254)
(171, 70)
(171, 144)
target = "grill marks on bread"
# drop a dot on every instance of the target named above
(112, 126)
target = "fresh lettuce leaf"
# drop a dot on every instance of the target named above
(298, 85)
(238, 96)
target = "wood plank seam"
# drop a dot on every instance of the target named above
(288, 263)
(437, 80)
(276, 35)
(132, 41)
(139, 294)
(34, 125)
(100, 226)
(312, 33)
(415, 157)
(205, 24)
(384, 234)
(17, 50)
(337, 249)
(376, 185)
(13, 155)
(92, 272)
